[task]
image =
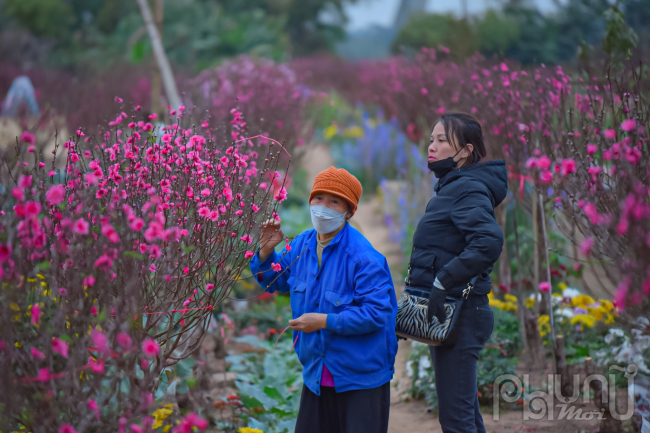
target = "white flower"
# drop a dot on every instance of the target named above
(566, 312)
(409, 368)
(570, 292)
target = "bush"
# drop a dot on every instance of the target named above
(111, 268)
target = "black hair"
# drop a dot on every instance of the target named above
(462, 129)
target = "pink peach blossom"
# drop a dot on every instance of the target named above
(150, 347)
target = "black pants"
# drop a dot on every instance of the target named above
(455, 369)
(358, 411)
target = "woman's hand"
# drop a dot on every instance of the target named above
(271, 235)
(309, 322)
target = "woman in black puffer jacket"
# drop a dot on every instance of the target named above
(456, 240)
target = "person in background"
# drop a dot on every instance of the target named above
(456, 240)
(344, 307)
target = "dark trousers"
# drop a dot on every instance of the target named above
(455, 369)
(358, 411)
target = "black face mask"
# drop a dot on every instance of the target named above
(444, 166)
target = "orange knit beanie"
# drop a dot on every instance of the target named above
(339, 182)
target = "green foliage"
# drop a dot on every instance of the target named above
(496, 33)
(432, 30)
(49, 18)
(269, 379)
(266, 316)
(619, 38)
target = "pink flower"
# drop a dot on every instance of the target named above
(27, 137)
(591, 149)
(568, 166)
(150, 347)
(249, 254)
(546, 176)
(586, 245)
(124, 340)
(204, 212)
(89, 281)
(633, 155)
(37, 353)
(610, 133)
(205, 192)
(110, 233)
(56, 194)
(44, 375)
(5, 252)
(424, 91)
(504, 67)
(67, 428)
(276, 267)
(97, 366)
(209, 287)
(25, 181)
(92, 405)
(19, 194)
(36, 313)
(99, 340)
(137, 224)
(32, 208)
(136, 428)
(80, 226)
(246, 239)
(59, 346)
(545, 287)
(543, 163)
(628, 125)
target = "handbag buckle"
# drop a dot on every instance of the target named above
(467, 290)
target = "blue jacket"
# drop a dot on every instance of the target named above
(354, 288)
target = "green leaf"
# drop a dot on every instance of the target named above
(134, 254)
(184, 367)
(257, 394)
(274, 394)
(42, 266)
(182, 387)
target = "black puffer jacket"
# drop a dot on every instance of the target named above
(458, 237)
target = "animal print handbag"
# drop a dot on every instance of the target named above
(412, 320)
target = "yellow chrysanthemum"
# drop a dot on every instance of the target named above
(330, 132)
(529, 302)
(562, 286)
(606, 304)
(14, 306)
(162, 414)
(510, 298)
(504, 306)
(249, 430)
(544, 324)
(582, 300)
(584, 319)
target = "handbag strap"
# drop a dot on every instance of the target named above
(469, 287)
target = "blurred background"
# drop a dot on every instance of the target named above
(357, 84)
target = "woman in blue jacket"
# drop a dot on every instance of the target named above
(344, 307)
(456, 240)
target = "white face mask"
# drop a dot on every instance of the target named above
(326, 220)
